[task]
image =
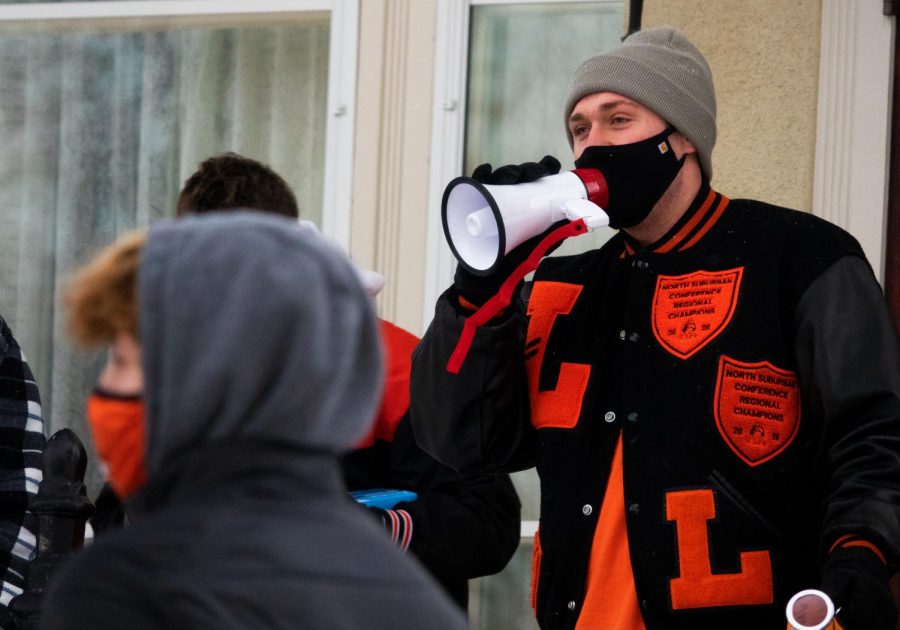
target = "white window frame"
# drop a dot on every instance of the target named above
(853, 123)
(342, 64)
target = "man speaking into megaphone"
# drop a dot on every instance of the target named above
(711, 399)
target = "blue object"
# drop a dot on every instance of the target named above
(384, 498)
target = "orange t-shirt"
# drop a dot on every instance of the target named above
(610, 601)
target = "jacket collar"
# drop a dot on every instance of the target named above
(698, 219)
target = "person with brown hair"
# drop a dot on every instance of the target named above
(255, 379)
(460, 526)
(103, 312)
(229, 181)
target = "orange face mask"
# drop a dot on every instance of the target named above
(117, 428)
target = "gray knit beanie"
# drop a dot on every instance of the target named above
(663, 71)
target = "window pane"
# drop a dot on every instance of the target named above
(521, 61)
(102, 126)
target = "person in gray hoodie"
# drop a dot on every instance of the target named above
(261, 365)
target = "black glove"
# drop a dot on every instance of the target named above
(857, 582)
(516, 173)
(479, 289)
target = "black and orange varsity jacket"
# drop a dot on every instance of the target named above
(749, 365)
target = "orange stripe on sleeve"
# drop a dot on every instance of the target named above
(840, 541)
(850, 540)
(866, 545)
(466, 304)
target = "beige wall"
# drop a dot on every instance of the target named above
(764, 56)
(391, 157)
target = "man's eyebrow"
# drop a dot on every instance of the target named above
(577, 117)
(618, 103)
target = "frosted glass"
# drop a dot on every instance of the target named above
(101, 126)
(521, 61)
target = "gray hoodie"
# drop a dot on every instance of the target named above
(246, 321)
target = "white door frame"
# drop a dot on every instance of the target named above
(853, 125)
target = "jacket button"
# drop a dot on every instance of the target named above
(609, 416)
(622, 335)
(587, 509)
(634, 508)
(633, 417)
(633, 337)
(571, 605)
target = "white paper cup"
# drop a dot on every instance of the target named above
(811, 610)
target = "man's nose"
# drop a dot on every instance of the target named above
(595, 138)
(598, 137)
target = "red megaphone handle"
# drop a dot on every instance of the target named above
(501, 300)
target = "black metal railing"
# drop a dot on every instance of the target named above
(62, 508)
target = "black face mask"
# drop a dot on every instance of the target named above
(637, 175)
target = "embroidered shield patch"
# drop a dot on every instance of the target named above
(690, 311)
(757, 408)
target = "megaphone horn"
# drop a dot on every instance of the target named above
(484, 222)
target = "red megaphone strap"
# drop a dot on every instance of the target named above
(501, 300)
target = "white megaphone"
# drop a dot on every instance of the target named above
(484, 222)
